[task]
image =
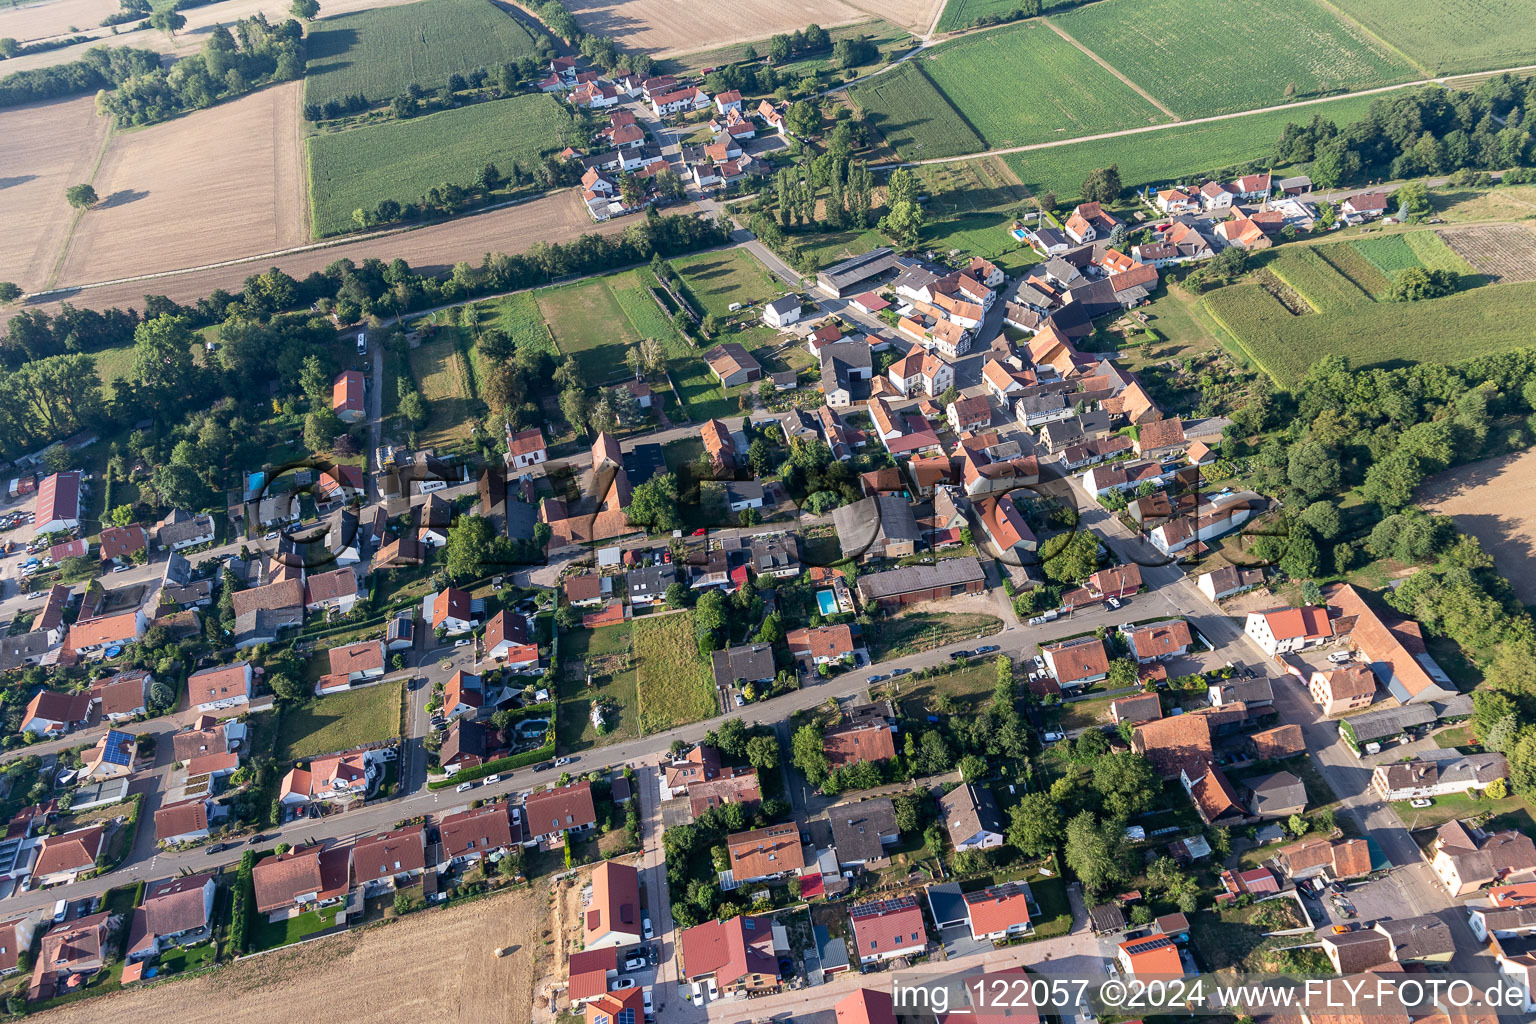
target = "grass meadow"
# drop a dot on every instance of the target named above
(588, 325)
(340, 722)
(913, 115)
(380, 52)
(1235, 61)
(605, 654)
(676, 685)
(1179, 153)
(401, 160)
(442, 373)
(1025, 84)
(718, 279)
(1453, 35)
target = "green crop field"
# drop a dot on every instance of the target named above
(1355, 268)
(1177, 153)
(379, 53)
(718, 279)
(1235, 61)
(1388, 254)
(1025, 84)
(341, 721)
(1324, 288)
(401, 160)
(1433, 254)
(1475, 322)
(960, 14)
(675, 684)
(913, 115)
(1454, 35)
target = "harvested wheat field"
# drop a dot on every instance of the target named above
(1495, 501)
(437, 966)
(188, 40)
(48, 147)
(217, 184)
(30, 23)
(556, 218)
(665, 27)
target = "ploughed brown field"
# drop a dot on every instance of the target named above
(664, 27)
(1495, 501)
(217, 184)
(437, 966)
(47, 148)
(555, 218)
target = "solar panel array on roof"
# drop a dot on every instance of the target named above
(119, 748)
(626, 1017)
(1156, 942)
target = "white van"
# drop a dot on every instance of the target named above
(362, 343)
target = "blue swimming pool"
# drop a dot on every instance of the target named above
(828, 602)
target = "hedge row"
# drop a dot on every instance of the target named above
(501, 764)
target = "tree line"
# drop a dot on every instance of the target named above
(49, 387)
(224, 69)
(101, 67)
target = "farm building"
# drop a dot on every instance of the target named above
(843, 279)
(914, 583)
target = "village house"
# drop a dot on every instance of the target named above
(868, 733)
(1285, 630)
(971, 818)
(863, 831)
(285, 883)
(733, 365)
(1176, 746)
(1320, 856)
(781, 312)
(525, 449)
(50, 714)
(70, 952)
(61, 858)
(216, 689)
(1412, 780)
(998, 912)
(1077, 662)
(389, 860)
(764, 853)
(1153, 956)
(888, 929)
(1160, 640)
(450, 612)
(1347, 688)
(335, 590)
(1466, 858)
(1143, 707)
(1279, 795)
(339, 777)
(467, 836)
(175, 912)
(1228, 580)
(737, 954)
(820, 645)
(1392, 646)
(347, 400)
(554, 813)
(612, 917)
(183, 822)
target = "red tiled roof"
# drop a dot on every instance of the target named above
(615, 905)
(887, 926)
(347, 392)
(821, 642)
(765, 851)
(75, 850)
(330, 586)
(866, 1006)
(58, 498)
(1079, 659)
(477, 830)
(451, 602)
(997, 909)
(389, 854)
(730, 950)
(1173, 744)
(561, 808)
(589, 972)
(850, 744)
(1161, 638)
(122, 541)
(179, 819)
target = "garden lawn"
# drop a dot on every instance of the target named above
(600, 651)
(908, 109)
(1488, 33)
(442, 374)
(340, 721)
(675, 684)
(1478, 321)
(1453, 805)
(266, 935)
(1025, 84)
(379, 53)
(718, 279)
(1299, 50)
(923, 631)
(971, 688)
(400, 160)
(1181, 153)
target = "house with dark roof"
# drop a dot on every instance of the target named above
(1143, 707)
(1354, 952)
(1279, 795)
(747, 663)
(949, 577)
(971, 817)
(777, 556)
(880, 526)
(863, 831)
(1420, 779)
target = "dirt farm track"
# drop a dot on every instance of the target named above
(1495, 501)
(437, 966)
